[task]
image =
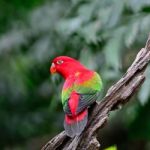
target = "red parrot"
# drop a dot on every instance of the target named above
(81, 89)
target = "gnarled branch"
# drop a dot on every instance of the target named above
(117, 95)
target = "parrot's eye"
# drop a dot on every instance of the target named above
(59, 62)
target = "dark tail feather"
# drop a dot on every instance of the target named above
(76, 124)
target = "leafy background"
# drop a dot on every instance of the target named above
(104, 35)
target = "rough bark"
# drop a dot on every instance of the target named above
(117, 95)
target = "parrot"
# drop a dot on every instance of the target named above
(80, 90)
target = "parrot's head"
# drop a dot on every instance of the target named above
(65, 66)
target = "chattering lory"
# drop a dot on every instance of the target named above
(81, 89)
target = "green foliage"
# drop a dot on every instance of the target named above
(111, 148)
(14, 9)
(140, 125)
(144, 93)
(104, 35)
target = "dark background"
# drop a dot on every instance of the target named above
(104, 35)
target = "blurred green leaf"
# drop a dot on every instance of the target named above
(144, 92)
(132, 33)
(113, 48)
(137, 5)
(89, 32)
(139, 128)
(69, 26)
(111, 148)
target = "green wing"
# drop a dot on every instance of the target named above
(88, 93)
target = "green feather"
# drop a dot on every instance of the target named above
(93, 85)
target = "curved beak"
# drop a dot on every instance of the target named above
(53, 68)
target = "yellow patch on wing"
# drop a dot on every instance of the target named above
(77, 74)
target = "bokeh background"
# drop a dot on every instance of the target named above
(104, 35)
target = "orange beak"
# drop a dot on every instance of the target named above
(53, 68)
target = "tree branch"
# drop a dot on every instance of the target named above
(117, 95)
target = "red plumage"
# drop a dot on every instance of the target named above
(73, 102)
(73, 119)
(80, 90)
